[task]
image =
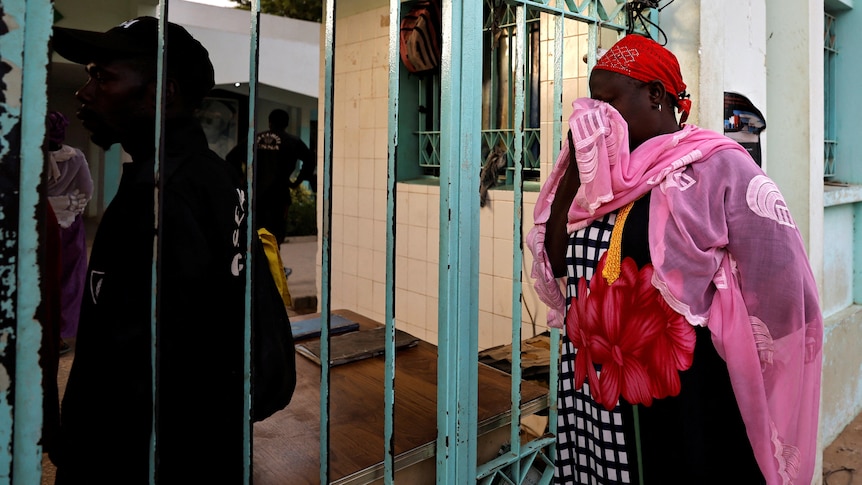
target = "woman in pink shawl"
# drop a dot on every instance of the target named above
(693, 333)
(69, 188)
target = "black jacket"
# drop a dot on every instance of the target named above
(106, 415)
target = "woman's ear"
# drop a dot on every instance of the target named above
(657, 92)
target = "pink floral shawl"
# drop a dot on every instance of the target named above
(726, 254)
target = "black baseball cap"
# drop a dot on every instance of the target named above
(188, 61)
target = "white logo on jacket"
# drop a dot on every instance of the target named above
(96, 279)
(237, 264)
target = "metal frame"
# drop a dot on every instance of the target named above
(830, 52)
(460, 142)
(460, 120)
(25, 47)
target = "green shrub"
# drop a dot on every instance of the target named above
(302, 215)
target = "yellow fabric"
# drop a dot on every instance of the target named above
(614, 257)
(276, 267)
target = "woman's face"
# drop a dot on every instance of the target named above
(631, 98)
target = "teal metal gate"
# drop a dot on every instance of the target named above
(455, 144)
(459, 138)
(22, 123)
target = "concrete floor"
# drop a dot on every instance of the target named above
(842, 460)
(300, 255)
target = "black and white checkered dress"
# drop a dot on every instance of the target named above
(591, 441)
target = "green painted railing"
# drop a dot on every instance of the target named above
(326, 231)
(429, 150)
(450, 145)
(23, 104)
(830, 52)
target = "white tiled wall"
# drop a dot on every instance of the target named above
(360, 108)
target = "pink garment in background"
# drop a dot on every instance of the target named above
(726, 254)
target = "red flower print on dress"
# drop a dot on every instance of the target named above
(578, 328)
(629, 330)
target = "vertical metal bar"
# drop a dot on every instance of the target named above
(111, 174)
(554, 371)
(326, 238)
(28, 418)
(391, 179)
(494, 71)
(510, 36)
(520, 87)
(531, 91)
(423, 85)
(461, 107)
(158, 198)
(653, 29)
(593, 33)
(829, 131)
(494, 100)
(251, 165)
(12, 47)
(438, 95)
(510, 89)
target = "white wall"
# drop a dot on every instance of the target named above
(794, 30)
(721, 46)
(289, 48)
(838, 261)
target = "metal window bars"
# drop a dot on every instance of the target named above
(830, 53)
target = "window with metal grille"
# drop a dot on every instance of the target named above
(830, 52)
(498, 96)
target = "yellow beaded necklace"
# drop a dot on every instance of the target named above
(612, 264)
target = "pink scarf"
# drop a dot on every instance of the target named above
(716, 220)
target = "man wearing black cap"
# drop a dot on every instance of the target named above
(107, 411)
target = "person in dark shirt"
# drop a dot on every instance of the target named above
(107, 412)
(277, 155)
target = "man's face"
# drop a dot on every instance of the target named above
(117, 102)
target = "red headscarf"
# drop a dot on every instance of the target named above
(641, 58)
